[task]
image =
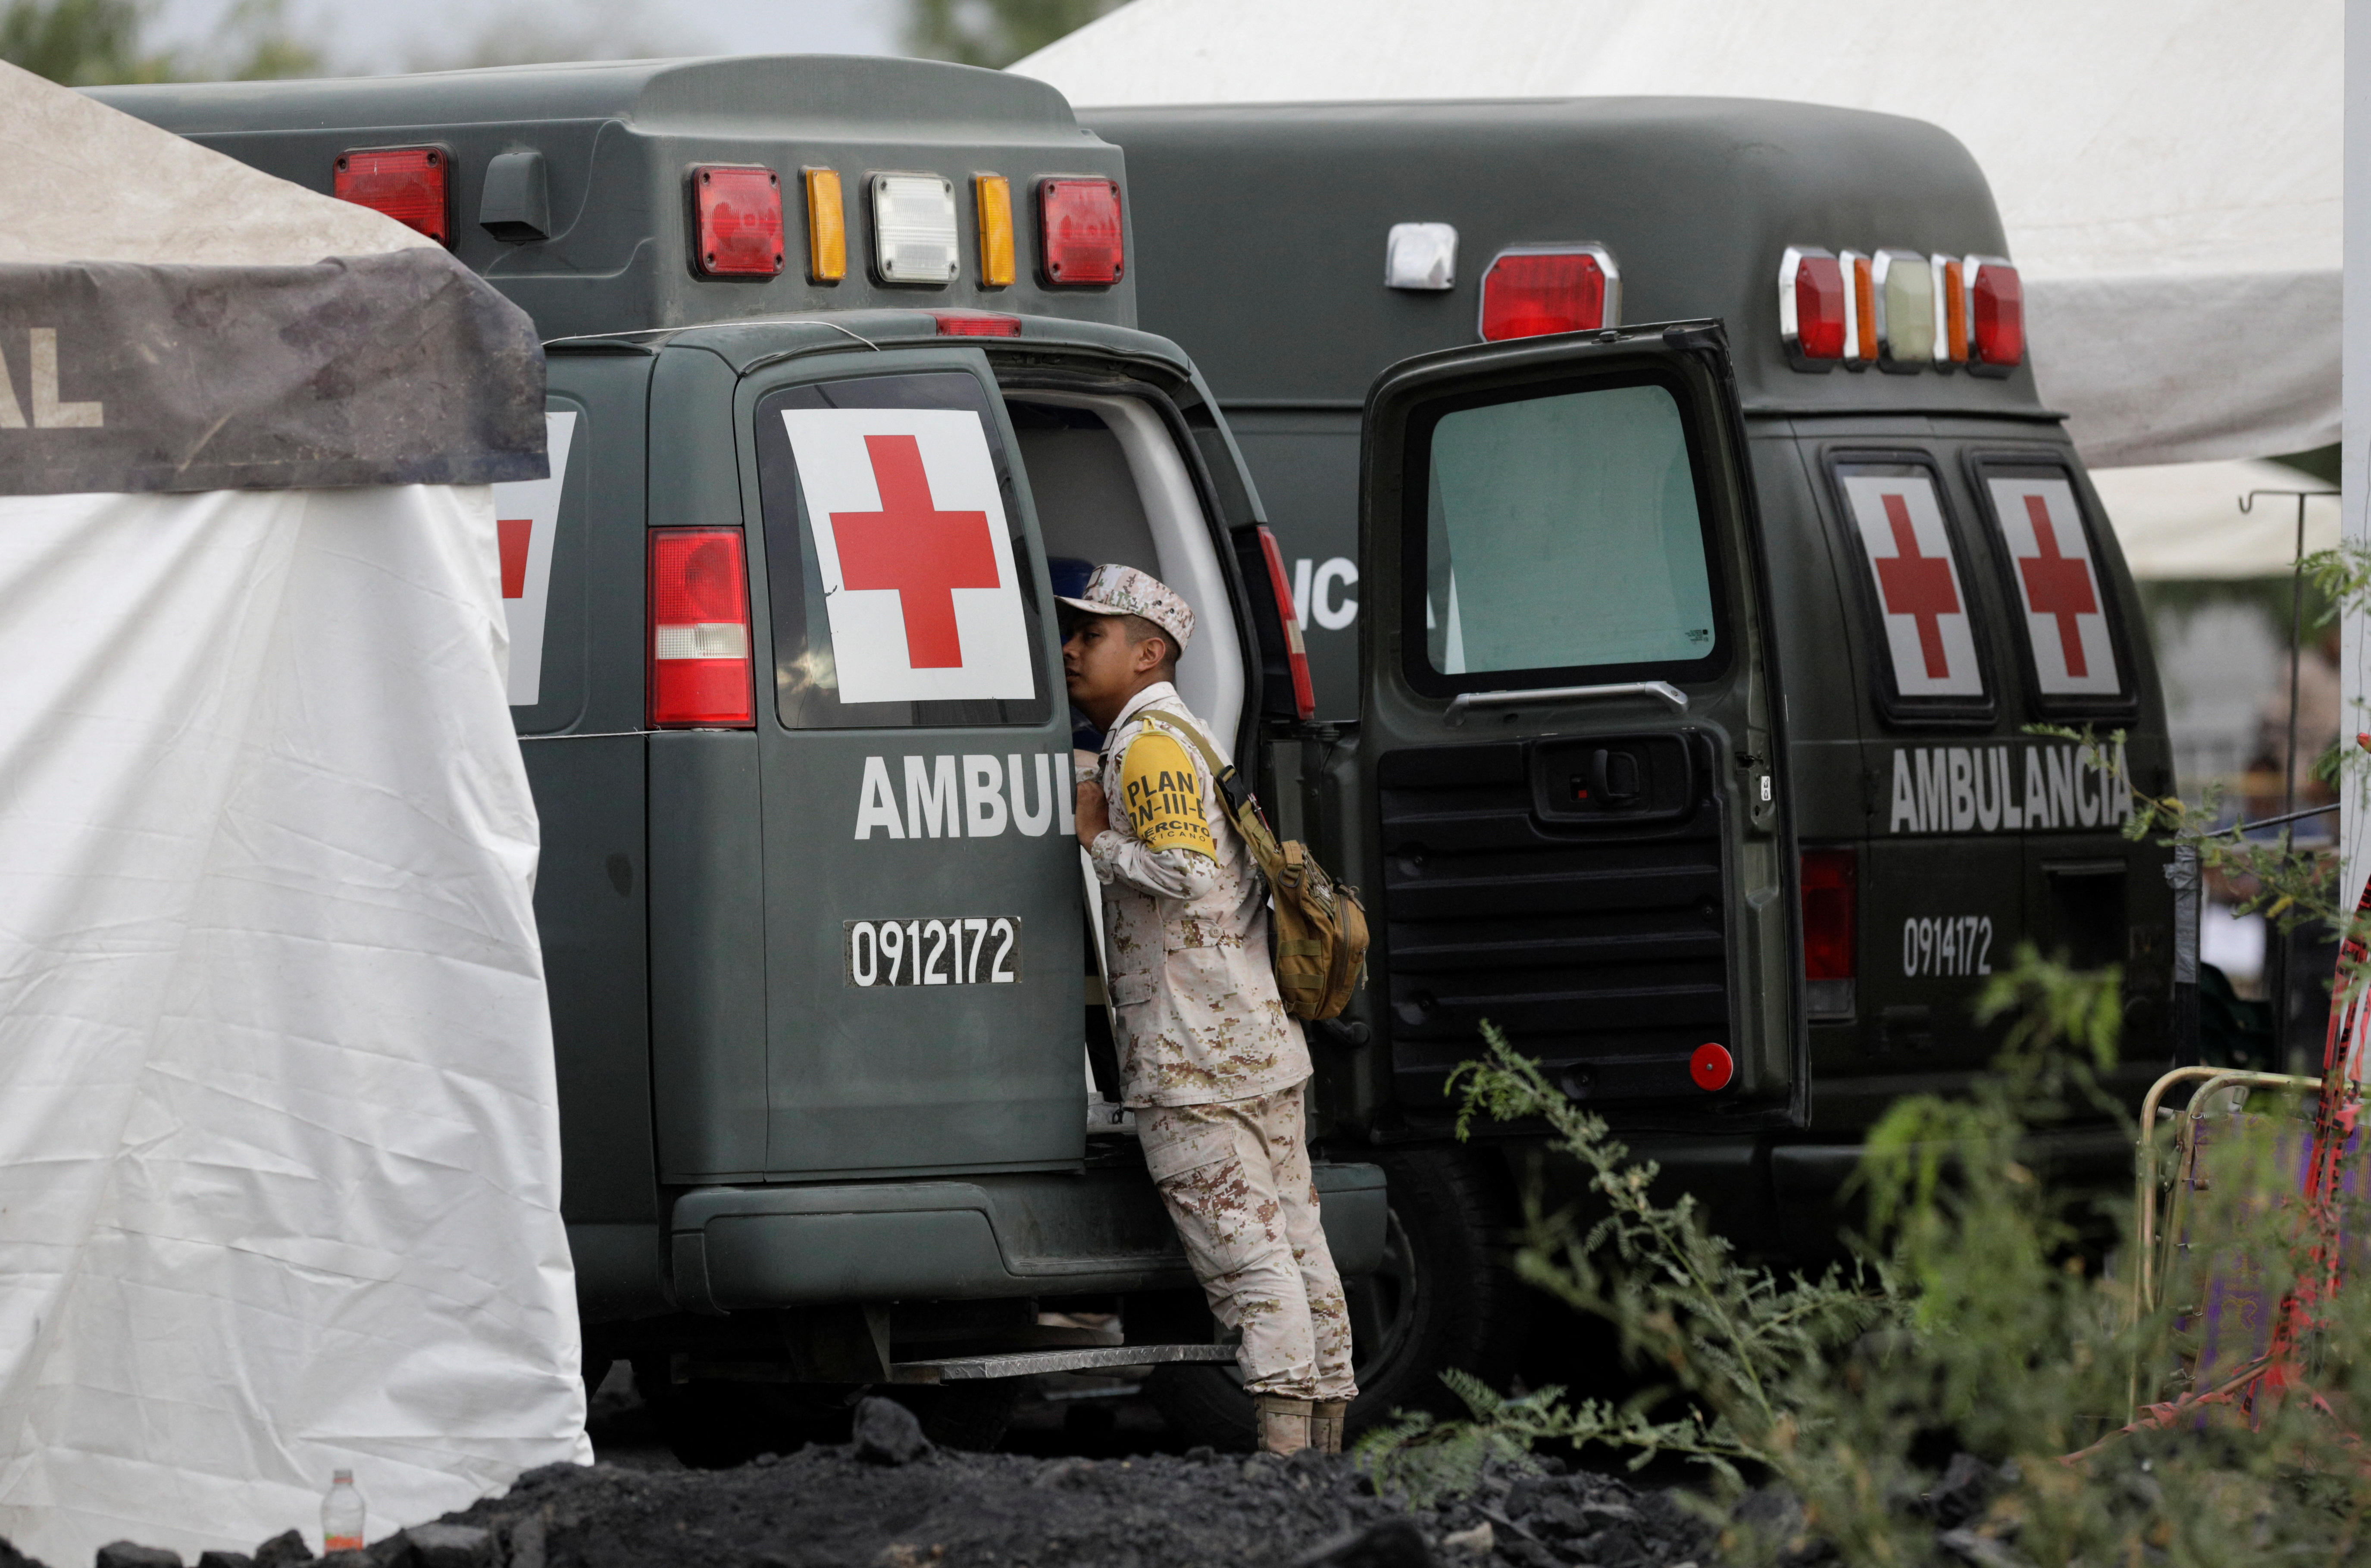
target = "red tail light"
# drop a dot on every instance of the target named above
(700, 628)
(740, 227)
(1530, 292)
(1829, 897)
(1304, 692)
(1995, 317)
(409, 184)
(1079, 223)
(975, 324)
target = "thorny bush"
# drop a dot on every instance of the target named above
(1976, 1319)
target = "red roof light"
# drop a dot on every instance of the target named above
(1996, 316)
(1812, 307)
(1533, 292)
(740, 221)
(408, 184)
(1079, 225)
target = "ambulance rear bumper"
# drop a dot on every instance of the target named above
(1040, 1234)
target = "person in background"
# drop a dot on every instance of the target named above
(1209, 1060)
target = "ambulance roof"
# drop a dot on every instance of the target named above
(1263, 227)
(618, 140)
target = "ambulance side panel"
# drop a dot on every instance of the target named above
(585, 764)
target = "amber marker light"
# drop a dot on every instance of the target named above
(992, 196)
(826, 225)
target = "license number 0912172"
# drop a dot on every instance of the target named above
(948, 950)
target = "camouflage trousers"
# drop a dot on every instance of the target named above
(1236, 1178)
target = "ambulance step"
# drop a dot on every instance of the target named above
(1030, 1363)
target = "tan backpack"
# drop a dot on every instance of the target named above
(1318, 930)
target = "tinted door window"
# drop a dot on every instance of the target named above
(1564, 538)
(929, 588)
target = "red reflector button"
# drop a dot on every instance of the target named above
(1079, 220)
(975, 324)
(1527, 294)
(740, 221)
(406, 183)
(1710, 1066)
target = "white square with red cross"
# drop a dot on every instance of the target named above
(527, 520)
(915, 553)
(1923, 603)
(2057, 587)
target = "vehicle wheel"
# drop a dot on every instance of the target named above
(1445, 1295)
(971, 1416)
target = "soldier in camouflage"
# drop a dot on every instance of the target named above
(1209, 1059)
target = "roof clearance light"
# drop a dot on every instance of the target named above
(1860, 310)
(1420, 256)
(826, 225)
(1534, 290)
(1811, 307)
(1904, 288)
(1995, 317)
(1079, 223)
(914, 228)
(408, 184)
(975, 324)
(1950, 313)
(992, 198)
(700, 628)
(740, 211)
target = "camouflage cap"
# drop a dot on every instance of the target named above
(1114, 589)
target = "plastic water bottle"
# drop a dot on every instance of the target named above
(342, 1515)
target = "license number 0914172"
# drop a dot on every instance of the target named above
(1947, 945)
(947, 950)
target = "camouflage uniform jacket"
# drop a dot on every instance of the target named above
(1186, 916)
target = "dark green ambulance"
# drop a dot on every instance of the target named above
(1686, 741)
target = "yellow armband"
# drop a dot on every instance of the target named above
(1163, 795)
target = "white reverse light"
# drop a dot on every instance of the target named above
(914, 228)
(1420, 255)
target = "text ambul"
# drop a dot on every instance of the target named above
(2014, 788)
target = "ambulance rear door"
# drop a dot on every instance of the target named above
(1577, 815)
(923, 994)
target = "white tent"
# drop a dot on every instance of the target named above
(279, 1158)
(2182, 522)
(2168, 172)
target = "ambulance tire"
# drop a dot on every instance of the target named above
(1446, 1295)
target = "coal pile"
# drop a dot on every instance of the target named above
(889, 1499)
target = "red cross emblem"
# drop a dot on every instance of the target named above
(514, 535)
(2058, 585)
(909, 545)
(1917, 586)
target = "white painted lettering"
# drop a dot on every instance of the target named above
(2011, 818)
(930, 799)
(1905, 795)
(1032, 823)
(2037, 792)
(2086, 802)
(2062, 785)
(1334, 614)
(1066, 794)
(877, 806)
(983, 796)
(1988, 788)
(12, 415)
(1933, 793)
(2119, 787)
(1301, 593)
(1963, 794)
(48, 413)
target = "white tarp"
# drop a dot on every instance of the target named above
(279, 1152)
(2168, 170)
(2182, 522)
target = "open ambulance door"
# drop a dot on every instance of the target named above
(1576, 820)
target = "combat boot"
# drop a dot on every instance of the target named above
(1325, 1424)
(1283, 1423)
